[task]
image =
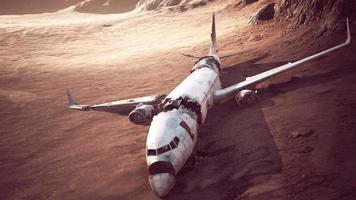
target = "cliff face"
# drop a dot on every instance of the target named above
(330, 13)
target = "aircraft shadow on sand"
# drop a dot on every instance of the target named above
(239, 147)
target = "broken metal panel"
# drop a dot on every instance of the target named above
(197, 86)
(207, 62)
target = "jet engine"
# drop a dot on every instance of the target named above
(142, 114)
(246, 97)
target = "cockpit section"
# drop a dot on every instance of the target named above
(173, 132)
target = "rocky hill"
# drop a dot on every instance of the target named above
(330, 13)
(181, 4)
(106, 6)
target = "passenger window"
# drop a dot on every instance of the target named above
(176, 141)
(151, 152)
(163, 149)
(184, 125)
(160, 150)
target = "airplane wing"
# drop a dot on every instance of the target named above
(225, 94)
(122, 107)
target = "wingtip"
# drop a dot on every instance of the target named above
(71, 101)
(348, 40)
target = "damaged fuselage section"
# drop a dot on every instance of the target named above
(174, 130)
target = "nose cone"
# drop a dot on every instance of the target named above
(162, 183)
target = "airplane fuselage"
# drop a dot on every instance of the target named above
(174, 131)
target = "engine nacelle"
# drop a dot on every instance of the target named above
(142, 114)
(246, 97)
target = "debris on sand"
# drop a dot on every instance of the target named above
(297, 134)
(264, 14)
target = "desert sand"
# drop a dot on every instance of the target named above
(296, 143)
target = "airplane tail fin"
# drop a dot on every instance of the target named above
(213, 38)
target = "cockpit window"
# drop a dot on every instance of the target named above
(176, 140)
(172, 145)
(163, 149)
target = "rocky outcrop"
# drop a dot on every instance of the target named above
(182, 5)
(240, 4)
(330, 13)
(264, 14)
(157, 4)
(247, 2)
(105, 6)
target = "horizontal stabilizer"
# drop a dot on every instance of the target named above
(72, 104)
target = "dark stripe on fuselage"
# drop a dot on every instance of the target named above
(184, 125)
